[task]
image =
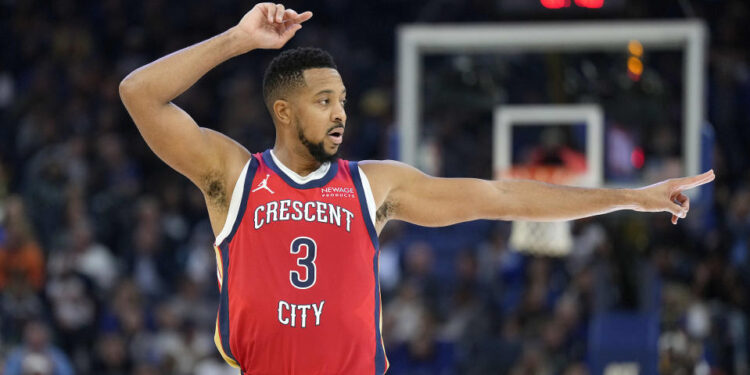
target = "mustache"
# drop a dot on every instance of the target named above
(339, 125)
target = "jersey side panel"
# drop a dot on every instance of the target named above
(380, 360)
(222, 331)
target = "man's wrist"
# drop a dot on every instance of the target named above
(238, 41)
(633, 199)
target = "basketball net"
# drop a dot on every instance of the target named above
(542, 238)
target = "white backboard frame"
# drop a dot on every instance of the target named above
(414, 41)
(506, 117)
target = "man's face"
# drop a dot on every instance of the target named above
(319, 115)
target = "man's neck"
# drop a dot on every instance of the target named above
(301, 162)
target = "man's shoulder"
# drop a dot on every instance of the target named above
(386, 167)
(386, 174)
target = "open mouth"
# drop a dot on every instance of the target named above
(337, 135)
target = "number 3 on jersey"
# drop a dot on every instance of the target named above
(305, 246)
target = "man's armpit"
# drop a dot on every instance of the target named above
(384, 212)
(215, 190)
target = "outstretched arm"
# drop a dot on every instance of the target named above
(404, 193)
(170, 132)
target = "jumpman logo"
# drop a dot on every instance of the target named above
(263, 185)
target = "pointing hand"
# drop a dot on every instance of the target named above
(270, 26)
(667, 195)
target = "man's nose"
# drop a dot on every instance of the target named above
(339, 114)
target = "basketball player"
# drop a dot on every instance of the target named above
(296, 228)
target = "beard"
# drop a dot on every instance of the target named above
(317, 150)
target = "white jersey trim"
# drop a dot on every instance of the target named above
(368, 195)
(316, 174)
(234, 204)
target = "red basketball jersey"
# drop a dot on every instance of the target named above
(298, 272)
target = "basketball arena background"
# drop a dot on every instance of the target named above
(105, 253)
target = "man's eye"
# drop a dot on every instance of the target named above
(343, 102)
(324, 101)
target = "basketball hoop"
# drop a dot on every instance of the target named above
(543, 238)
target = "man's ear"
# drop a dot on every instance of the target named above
(282, 111)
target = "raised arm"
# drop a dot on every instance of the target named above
(196, 152)
(404, 193)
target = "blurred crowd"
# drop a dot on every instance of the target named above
(106, 264)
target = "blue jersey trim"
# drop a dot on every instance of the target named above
(354, 171)
(379, 353)
(224, 302)
(334, 168)
(224, 249)
(245, 193)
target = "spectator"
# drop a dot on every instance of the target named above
(92, 259)
(20, 255)
(37, 355)
(18, 303)
(72, 298)
(111, 355)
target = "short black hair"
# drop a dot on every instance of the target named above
(285, 71)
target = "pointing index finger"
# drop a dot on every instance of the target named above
(302, 17)
(695, 181)
(291, 15)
